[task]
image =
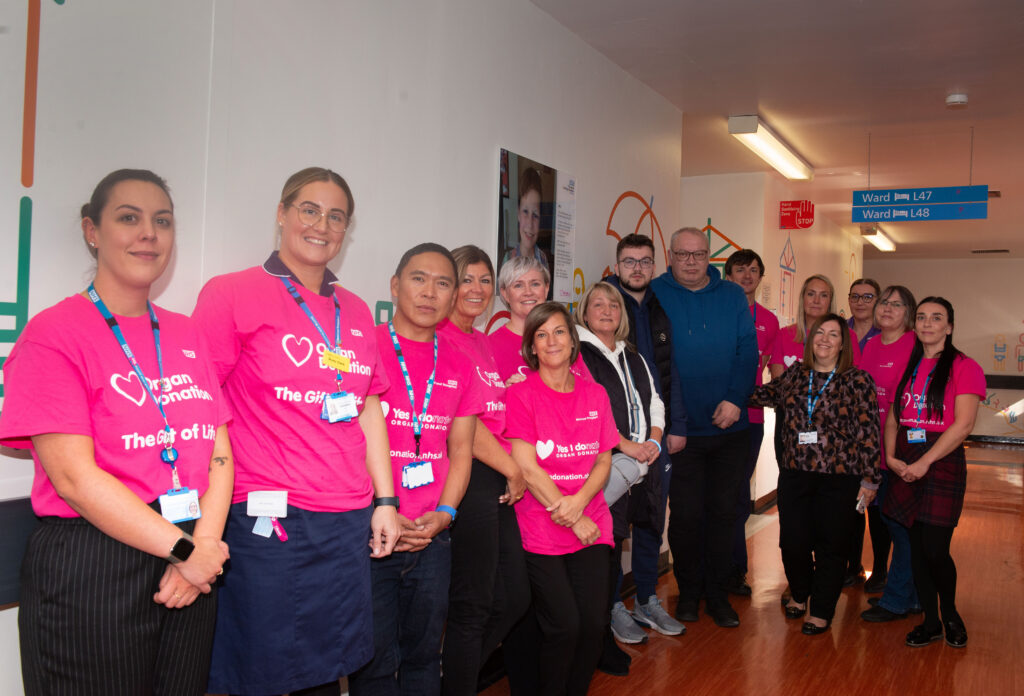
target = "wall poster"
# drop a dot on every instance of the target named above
(537, 217)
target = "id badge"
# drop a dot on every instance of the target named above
(267, 504)
(808, 438)
(340, 406)
(180, 505)
(416, 474)
(916, 435)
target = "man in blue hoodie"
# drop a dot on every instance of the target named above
(714, 346)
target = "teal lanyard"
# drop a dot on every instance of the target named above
(417, 422)
(811, 405)
(169, 455)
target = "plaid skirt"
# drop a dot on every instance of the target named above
(936, 499)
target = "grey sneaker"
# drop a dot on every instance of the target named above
(654, 615)
(624, 628)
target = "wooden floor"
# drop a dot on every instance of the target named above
(768, 656)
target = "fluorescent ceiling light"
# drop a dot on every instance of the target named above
(752, 132)
(874, 234)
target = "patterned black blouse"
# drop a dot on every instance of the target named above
(845, 419)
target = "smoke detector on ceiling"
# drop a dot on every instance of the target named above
(957, 100)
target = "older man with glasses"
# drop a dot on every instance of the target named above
(714, 347)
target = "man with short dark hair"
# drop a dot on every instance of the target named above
(715, 350)
(651, 333)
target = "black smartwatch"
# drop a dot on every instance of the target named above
(392, 500)
(182, 549)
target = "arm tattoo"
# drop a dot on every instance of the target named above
(218, 460)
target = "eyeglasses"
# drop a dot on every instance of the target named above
(894, 304)
(695, 255)
(629, 264)
(310, 215)
(866, 297)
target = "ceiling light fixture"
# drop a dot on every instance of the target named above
(874, 234)
(752, 132)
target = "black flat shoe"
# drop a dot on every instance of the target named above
(956, 634)
(723, 615)
(786, 596)
(687, 611)
(878, 614)
(921, 636)
(810, 629)
(795, 612)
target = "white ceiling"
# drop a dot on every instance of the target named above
(826, 75)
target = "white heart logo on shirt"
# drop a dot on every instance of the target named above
(544, 449)
(298, 349)
(790, 359)
(385, 407)
(117, 380)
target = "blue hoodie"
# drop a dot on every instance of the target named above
(714, 345)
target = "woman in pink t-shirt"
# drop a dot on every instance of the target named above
(562, 433)
(490, 590)
(885, 359)
(934, 410)
(121, 410)
(297, 356)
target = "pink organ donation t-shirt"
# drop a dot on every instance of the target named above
(68, 374)
(454, 395)
(268, 357)
(568, 431)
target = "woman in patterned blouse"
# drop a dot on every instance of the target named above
(828, 414)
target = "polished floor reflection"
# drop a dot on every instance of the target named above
(768, 656)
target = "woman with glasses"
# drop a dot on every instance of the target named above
(119, 405)
(885, 359)
(297, 356)
(827, 413)
(935, 406)
(862, 298)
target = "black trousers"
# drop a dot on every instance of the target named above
(814, 535)
(702, 500)
(490, 590)
(570, 595)
(88, 623)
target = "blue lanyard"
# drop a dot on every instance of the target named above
(169, 455)
(810, 382)
(919, 403)
(417, 422)
(316, 325)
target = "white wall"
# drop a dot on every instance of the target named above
(410, 101)
(988, 314)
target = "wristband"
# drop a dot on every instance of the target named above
(449, 509)
(380, 502)
(656, 444)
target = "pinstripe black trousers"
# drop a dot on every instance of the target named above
(88, 623)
